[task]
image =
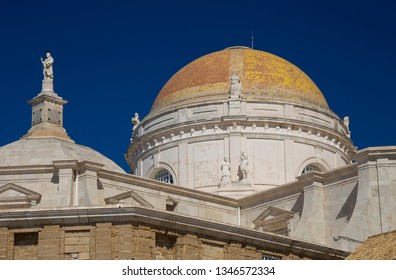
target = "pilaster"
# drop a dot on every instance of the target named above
(233, 251)
(187, 247)
(65, 170)
(289, 160)
(313, 214)
(49, 243)
(183, 165)
(123, 238)
(3, 243)
(88, 192)
(145, 243)
(103, 241)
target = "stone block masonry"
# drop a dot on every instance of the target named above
(124, 241)
(3, 243)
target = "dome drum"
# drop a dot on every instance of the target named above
(190, 145)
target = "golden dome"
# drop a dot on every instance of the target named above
(264, 77)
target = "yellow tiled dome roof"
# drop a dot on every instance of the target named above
(264, 76)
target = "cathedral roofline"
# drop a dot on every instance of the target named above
(373, 153)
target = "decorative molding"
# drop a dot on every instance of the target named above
(139, 181)
(374, 153)
(250, 126)
(272, 217)
(14, 196)
(117, 199)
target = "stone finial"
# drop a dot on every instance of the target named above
(235, 87)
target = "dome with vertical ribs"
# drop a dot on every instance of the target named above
(264, 77)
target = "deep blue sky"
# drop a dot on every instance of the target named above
(113, 57)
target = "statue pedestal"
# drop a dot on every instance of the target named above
(48, 85)
(225, 183)
(236, 189)
(234, 106)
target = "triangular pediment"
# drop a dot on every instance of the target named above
(272, 217)
(128, 198)
(14, 196)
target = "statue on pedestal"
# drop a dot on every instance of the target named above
(235, 87)
(346, 123)
(47, 66)
(135, 121)
(243, 167)
(225, 172)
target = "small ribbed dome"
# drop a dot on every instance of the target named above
(43, 151)
(264, 76)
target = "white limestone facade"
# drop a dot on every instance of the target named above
(339, 208)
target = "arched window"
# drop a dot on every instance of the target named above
(164, 176)
(311, 167)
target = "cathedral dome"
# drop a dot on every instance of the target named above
(44, 151)
(264, 77)
(235, 122)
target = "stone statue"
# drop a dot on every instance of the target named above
(243, 167)
(346, 122)
(225, 172)
(235, 87)
(47, 66)
(135, 121)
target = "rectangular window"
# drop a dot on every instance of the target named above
(170, 205)
(25, 238)
(164, 245)
(282, 231)
(25, 245)
(267, 257)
